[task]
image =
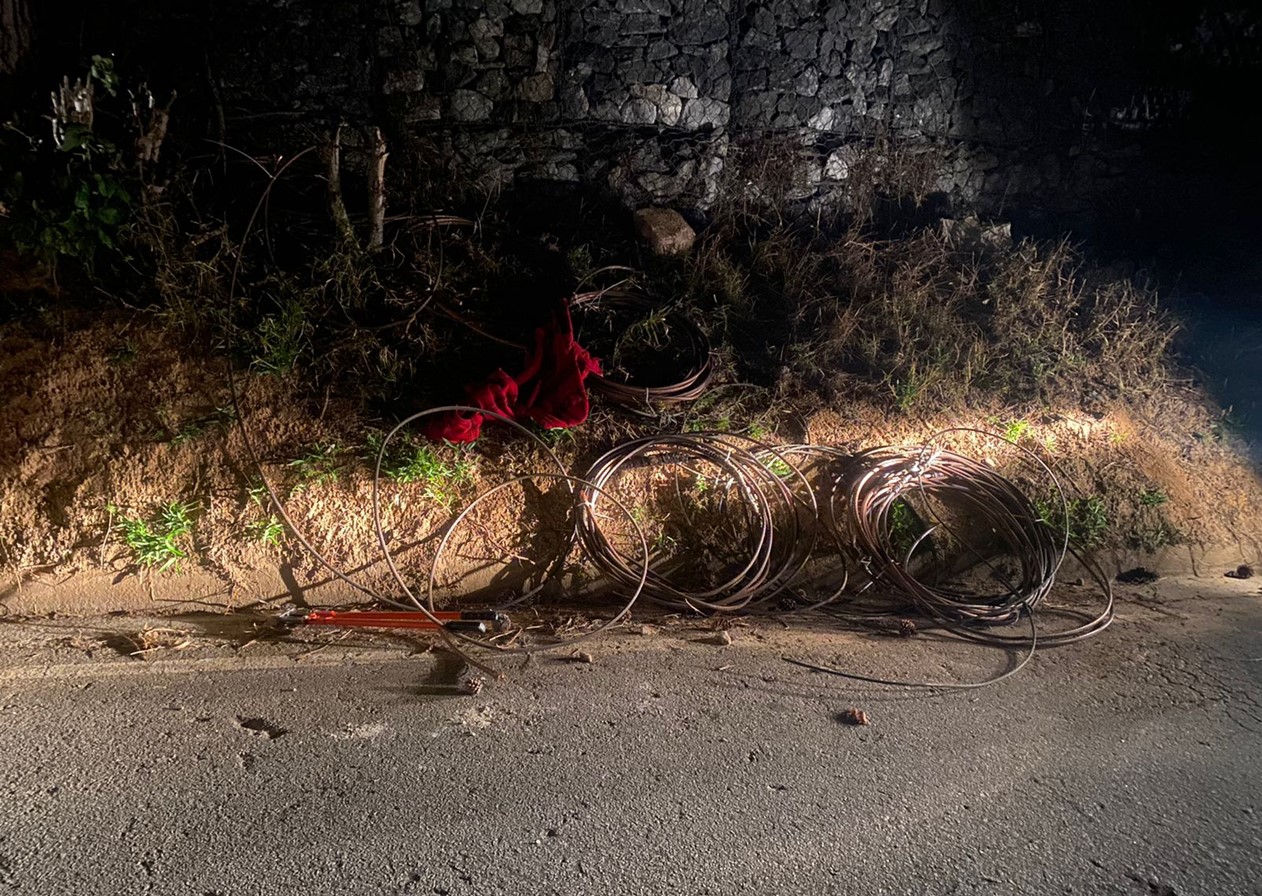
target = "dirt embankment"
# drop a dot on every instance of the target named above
(114, 421)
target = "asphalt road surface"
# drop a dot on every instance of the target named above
(671, 764)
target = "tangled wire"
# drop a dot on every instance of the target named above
(874, 535)
(787, 528)
(668, 331)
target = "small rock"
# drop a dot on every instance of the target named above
(807, 83)
(584, 657)
(723, 638)
(702, 112)
(684, 88)
(822, 120)
(668, 106)
(410, 14)
(639, 111)
(403, 81)
(537, 88)
(971, 235)
(664, 231)
(260, 727)
(853, 716)
(648, 630)
(840, 162)
(469, 105)
(886, 20)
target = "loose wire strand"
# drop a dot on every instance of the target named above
(1027, 655)
(572, 483)
(382, 452)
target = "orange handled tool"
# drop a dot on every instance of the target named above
(478, 621)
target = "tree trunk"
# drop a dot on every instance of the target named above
(17, 34)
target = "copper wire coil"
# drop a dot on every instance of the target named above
(691, 345)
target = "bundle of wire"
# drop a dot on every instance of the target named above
(796, 504)
(777, 493)
(777, 543)
(687, 342)
(790, 507)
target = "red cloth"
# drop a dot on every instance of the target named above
(550, 391)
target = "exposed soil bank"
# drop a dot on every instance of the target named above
(113, 417)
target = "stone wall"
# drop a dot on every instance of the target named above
(1044, 103)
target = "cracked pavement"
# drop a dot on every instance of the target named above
(1127, 764)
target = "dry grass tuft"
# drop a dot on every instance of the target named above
(924, 323)
(152, 640)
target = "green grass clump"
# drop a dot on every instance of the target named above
(1088, 518)
(281, 339)
(155, 542)
(1016, 430)
(267, 529)
(1152, 497)
(777, 466)
(319, 464)
(1151, 530)
(411, 463)
(922, 322)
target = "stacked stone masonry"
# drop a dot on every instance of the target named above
(656, 99)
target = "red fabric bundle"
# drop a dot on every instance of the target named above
(550, 391)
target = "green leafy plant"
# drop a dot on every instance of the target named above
(1152, 497)
(910, 388)
(409, 462)
(280, 339)
(1088, 518)
(102, 72)
(581, 262)
(709, 424)
(757, 431)
(439, 479)
(319, 464)
(1151, 530)
(1155, 536)
(556, 436)
(905, 527)
(195, 428)
(267, 529)
(69, 198)
(777, 465)
(1016, 430)
(665, 544)
(156, 541)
